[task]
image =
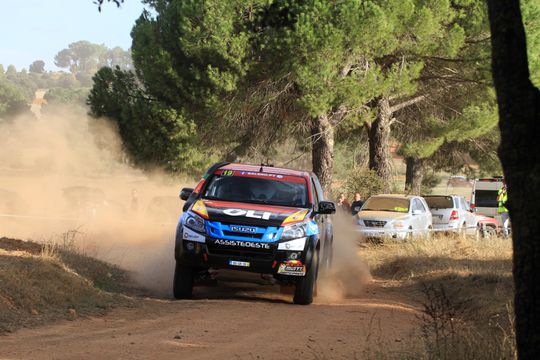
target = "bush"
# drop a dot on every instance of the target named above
(366, 182)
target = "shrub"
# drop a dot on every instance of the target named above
(366, 182)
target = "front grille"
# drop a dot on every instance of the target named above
(374, 223)
(243, 234)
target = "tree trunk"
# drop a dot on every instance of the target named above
(414, 175)
(379, 139)
(519, 122)
(322, 150)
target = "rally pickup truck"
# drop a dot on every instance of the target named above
(254, 218)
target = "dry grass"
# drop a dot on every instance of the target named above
(44, 282)
(464, 288)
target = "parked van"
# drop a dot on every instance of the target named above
(484, 196)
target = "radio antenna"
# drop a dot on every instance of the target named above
(261, 169)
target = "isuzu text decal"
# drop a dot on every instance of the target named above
(265, 215)
(243, 229)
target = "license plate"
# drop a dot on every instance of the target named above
(373, 234)
(439, 216)
(239, 263)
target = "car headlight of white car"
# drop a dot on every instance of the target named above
(398, 224)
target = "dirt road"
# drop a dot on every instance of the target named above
(233, 321)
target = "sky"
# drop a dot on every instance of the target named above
(38, 29)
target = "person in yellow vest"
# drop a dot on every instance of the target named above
(502, 198)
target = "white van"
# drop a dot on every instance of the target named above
(484, 196)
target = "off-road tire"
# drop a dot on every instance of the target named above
(304, 288)
(328, 258)
(183, 282)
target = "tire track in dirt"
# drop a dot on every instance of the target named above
(230, 322)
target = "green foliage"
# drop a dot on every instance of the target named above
(12, 99)
(474, 121)
(265, 68)
(153, 134)
(460, 109)
(11, 70)
(530, 11)
(349, 154)
(83, 58)
(67, 96)
(366, 182)
(191, 52)
(429, 181)
(37, 66)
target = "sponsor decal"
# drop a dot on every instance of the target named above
(227, 173)
(200, 209)
(265, 215)
(239, 263)
(188, 234)
(296, 217)
(246, 244)
(252, 173)
(243, 229)
(292, 268)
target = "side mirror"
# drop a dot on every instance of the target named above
(326, 207)
(417, 212)
(185, 193)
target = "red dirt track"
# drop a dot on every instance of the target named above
(235, 321)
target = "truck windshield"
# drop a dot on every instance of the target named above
(257, 190)
(386, 204)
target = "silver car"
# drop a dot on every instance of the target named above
(452, 213)
(394, 216)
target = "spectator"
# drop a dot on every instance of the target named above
(502, 199)
(357, 203)
(343, 204)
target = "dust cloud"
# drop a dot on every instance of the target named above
(349, 273)
(64, 178)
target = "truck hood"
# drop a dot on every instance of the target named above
(251, 214)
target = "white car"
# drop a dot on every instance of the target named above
(452, 213)
(394, 216)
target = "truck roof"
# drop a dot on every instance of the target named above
(266, 169)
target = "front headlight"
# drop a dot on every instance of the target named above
(398, 224)
(195, 222)
(294, 231)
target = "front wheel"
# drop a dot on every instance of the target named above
(183, 282)
(303, 292)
